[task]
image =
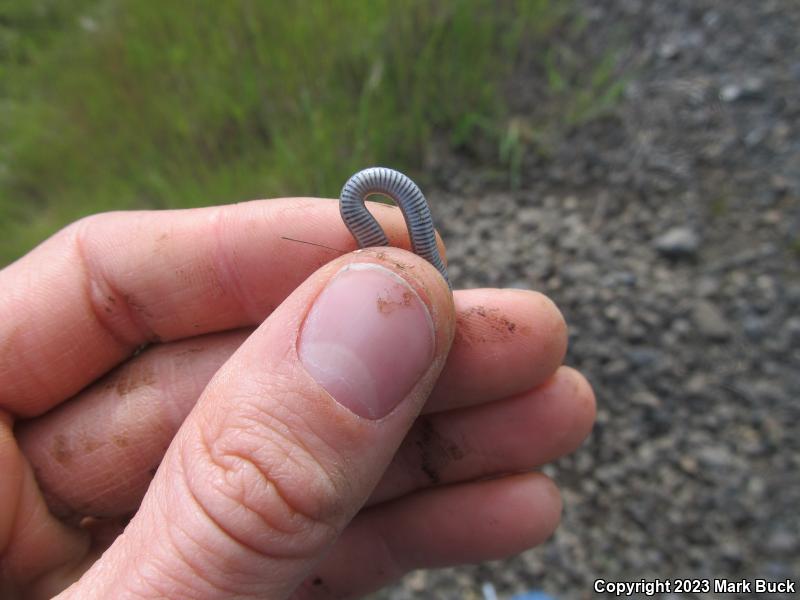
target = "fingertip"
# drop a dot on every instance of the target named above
(552, 326)
(506, 342)
(545, 502)
(552, 493)
(521, 512)
(586, 393)
(583, 405)
(569, 409)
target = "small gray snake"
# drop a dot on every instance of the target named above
(406, 194)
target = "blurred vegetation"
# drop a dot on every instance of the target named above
(114, 104)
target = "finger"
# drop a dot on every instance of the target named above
(83, 300)
(448, 526)
(96, 454)
(289, 437)
(507, 342)
(36, 549)
(506, 436)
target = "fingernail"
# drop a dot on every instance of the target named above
(367, 340)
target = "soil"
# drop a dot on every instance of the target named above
(667, 229)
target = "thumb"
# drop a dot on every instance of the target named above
(289, 438)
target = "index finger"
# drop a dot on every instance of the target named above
(88, 297)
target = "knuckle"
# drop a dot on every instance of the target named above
(266, 488)
(115, 310)
(86, 228)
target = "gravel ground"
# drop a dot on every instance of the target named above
(669, 233)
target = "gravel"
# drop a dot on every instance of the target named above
(668, 231)
(678, 242)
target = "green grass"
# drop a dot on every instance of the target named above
(583, 94)
(111, 104)
(575, 87)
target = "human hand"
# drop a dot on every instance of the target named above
(293, 460)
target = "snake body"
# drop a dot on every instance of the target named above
(405, 193)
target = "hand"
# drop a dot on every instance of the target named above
(289, 460)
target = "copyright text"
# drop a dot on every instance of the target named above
(645, 587)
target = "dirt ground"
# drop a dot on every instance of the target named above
(668, 231)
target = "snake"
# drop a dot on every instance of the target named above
(409, 198)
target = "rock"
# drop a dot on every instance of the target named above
(643, 357)
(688, 464)
(678, 242)
(792, 329)
(417, 580)
(529, 217)
(781, 542)
(716, 457)
(709, 321)
(580, 271)
(754, 326)
(707, 286)
(748, 88)
(645, 398)
(793, 294)
(668, 50)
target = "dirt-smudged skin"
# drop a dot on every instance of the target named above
(481, 324)
(99, 429)
(434, 450)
